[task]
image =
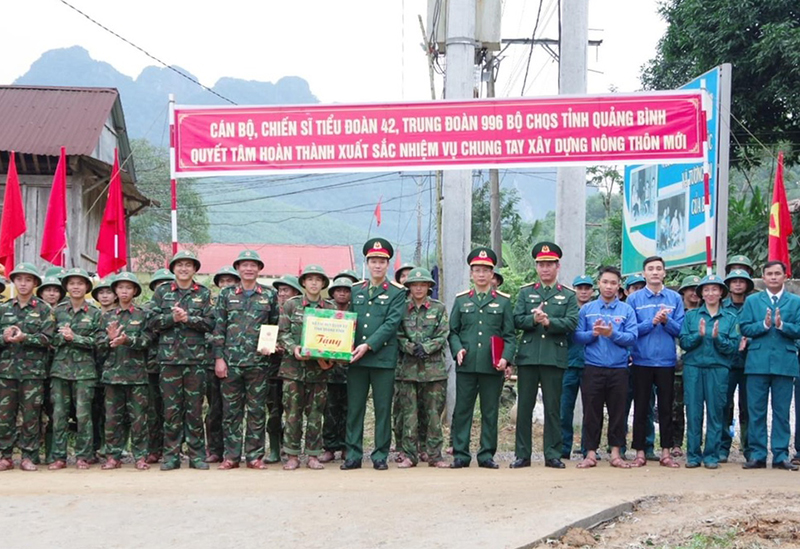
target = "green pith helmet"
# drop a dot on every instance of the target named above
(227, 270)
(482, 256)
(709, 280)
(125, 276)
(418, 274)
(288, 280)
(316, 270)
(159, 276)
(3, 284)
(184, 254)
(349, 274)
(28, 269)
(248, 255)
(744, 275)
(378, 247)
(739, 260)
(690, 281)
(76, 272)
(399, 271)
(500, 278)
(340, 282)
(51, 282)
(101, 284)
(57, 272)
(634, 279)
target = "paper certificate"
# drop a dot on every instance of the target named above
(268, 337)
(328, 334)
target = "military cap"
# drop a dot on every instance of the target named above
(226, 270)
(126, 276)
(418, 274)
(57, 272)
(583, 280)
(80, 273)
(347, 273)
(709, 280)
(25, 268)
(102, 283)
(500, 278)
(184, 254)
(403, 267)
(159, 276)
(744, 275)
(690, 281)
(340, 282)
(288, 280)
(378, 247)
(51, 282)
(546, 251)
(316, 270)
(634, 279)
(482, 256)
(248, 255)
(739, 260)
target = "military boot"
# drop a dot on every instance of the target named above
(274, 449)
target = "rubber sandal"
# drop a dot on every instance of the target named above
(620, 463)
(313, 463)
(676, 452)
(638, 461)
(587, 463)
(667, 461)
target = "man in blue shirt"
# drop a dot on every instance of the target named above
(659, 314)
(607, 327)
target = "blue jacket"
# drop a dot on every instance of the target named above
(656, 344)
(606, 352)
(771, 351)
(706, 352)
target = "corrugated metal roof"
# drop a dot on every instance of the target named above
(40, 119)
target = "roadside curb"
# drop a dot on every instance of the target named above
(586, 523)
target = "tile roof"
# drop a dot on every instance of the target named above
(280, 259)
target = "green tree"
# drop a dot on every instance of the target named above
(512, 225)
(150, 229)
(761, 38)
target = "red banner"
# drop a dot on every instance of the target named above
(660, 127)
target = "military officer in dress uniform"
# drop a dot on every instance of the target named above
(477, 315)
(547, 313)
(380, 305)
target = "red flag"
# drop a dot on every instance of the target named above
(780, 221)
(13, 224)
(112, 241)
(54, 237)
(377, 212)
(397, 262)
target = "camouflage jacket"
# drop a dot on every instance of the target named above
(182, 342)
(289, 333)
(75, 360)
(429, 326)
(239, 319)
(126, 364)
(26, 359)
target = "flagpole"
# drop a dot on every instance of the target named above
(172, 183)
(706, 104)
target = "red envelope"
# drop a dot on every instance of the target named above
(498, 344)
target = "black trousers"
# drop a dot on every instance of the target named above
(644, 377)
(599, 387)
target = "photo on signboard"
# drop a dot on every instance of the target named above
(642, 189)
(671, 224)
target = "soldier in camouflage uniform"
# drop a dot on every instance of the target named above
(421, 377)
(182, 315)
(155, 415)
(27, 326)
(124, 343)
(106, 301)
(304, 379)
(335, 423)
(51, 292)
(398, 413)
(287, 287)
(74, 369)
(240, 312)
(215, 442)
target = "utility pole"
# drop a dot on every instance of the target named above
(418, 250)
(496, 230)
(571, 181)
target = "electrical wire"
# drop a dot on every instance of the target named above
(530, 51)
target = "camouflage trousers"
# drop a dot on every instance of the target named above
(399, 414)
(64, 394)
(155, 415)
(214, 440)
(244, 391)
(183, 388)
(24, 398)
(46, 423)
(303, 399)
(275, 407)
(422, 404)
(335, 424)
(131, 402)
(99, 419)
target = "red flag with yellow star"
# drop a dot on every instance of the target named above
(780, 221)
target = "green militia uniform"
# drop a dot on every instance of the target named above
(22, 375)
(183, 359)
(240, 314)
(305, 387)
(74, 377)
(125, 380)
(421, 378)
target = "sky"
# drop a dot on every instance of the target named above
(350, 51)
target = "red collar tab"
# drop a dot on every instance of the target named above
(472, 293)
(195, 287)
(536, 286)
(558, 287)
(238, 289)
(494, 294)
(427, 303)
(366, 284)
(129, 309)
(385, 285)
(173, 286)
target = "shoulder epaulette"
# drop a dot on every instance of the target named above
(528, 284)
(570, 288)
(398, 285)
(465, 292)
(507, 296)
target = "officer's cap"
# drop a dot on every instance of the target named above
(482, 256)
(546, 251)
(378, 247)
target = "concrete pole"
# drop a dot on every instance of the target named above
(571, 181)
(496, 231)
(457, 184)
